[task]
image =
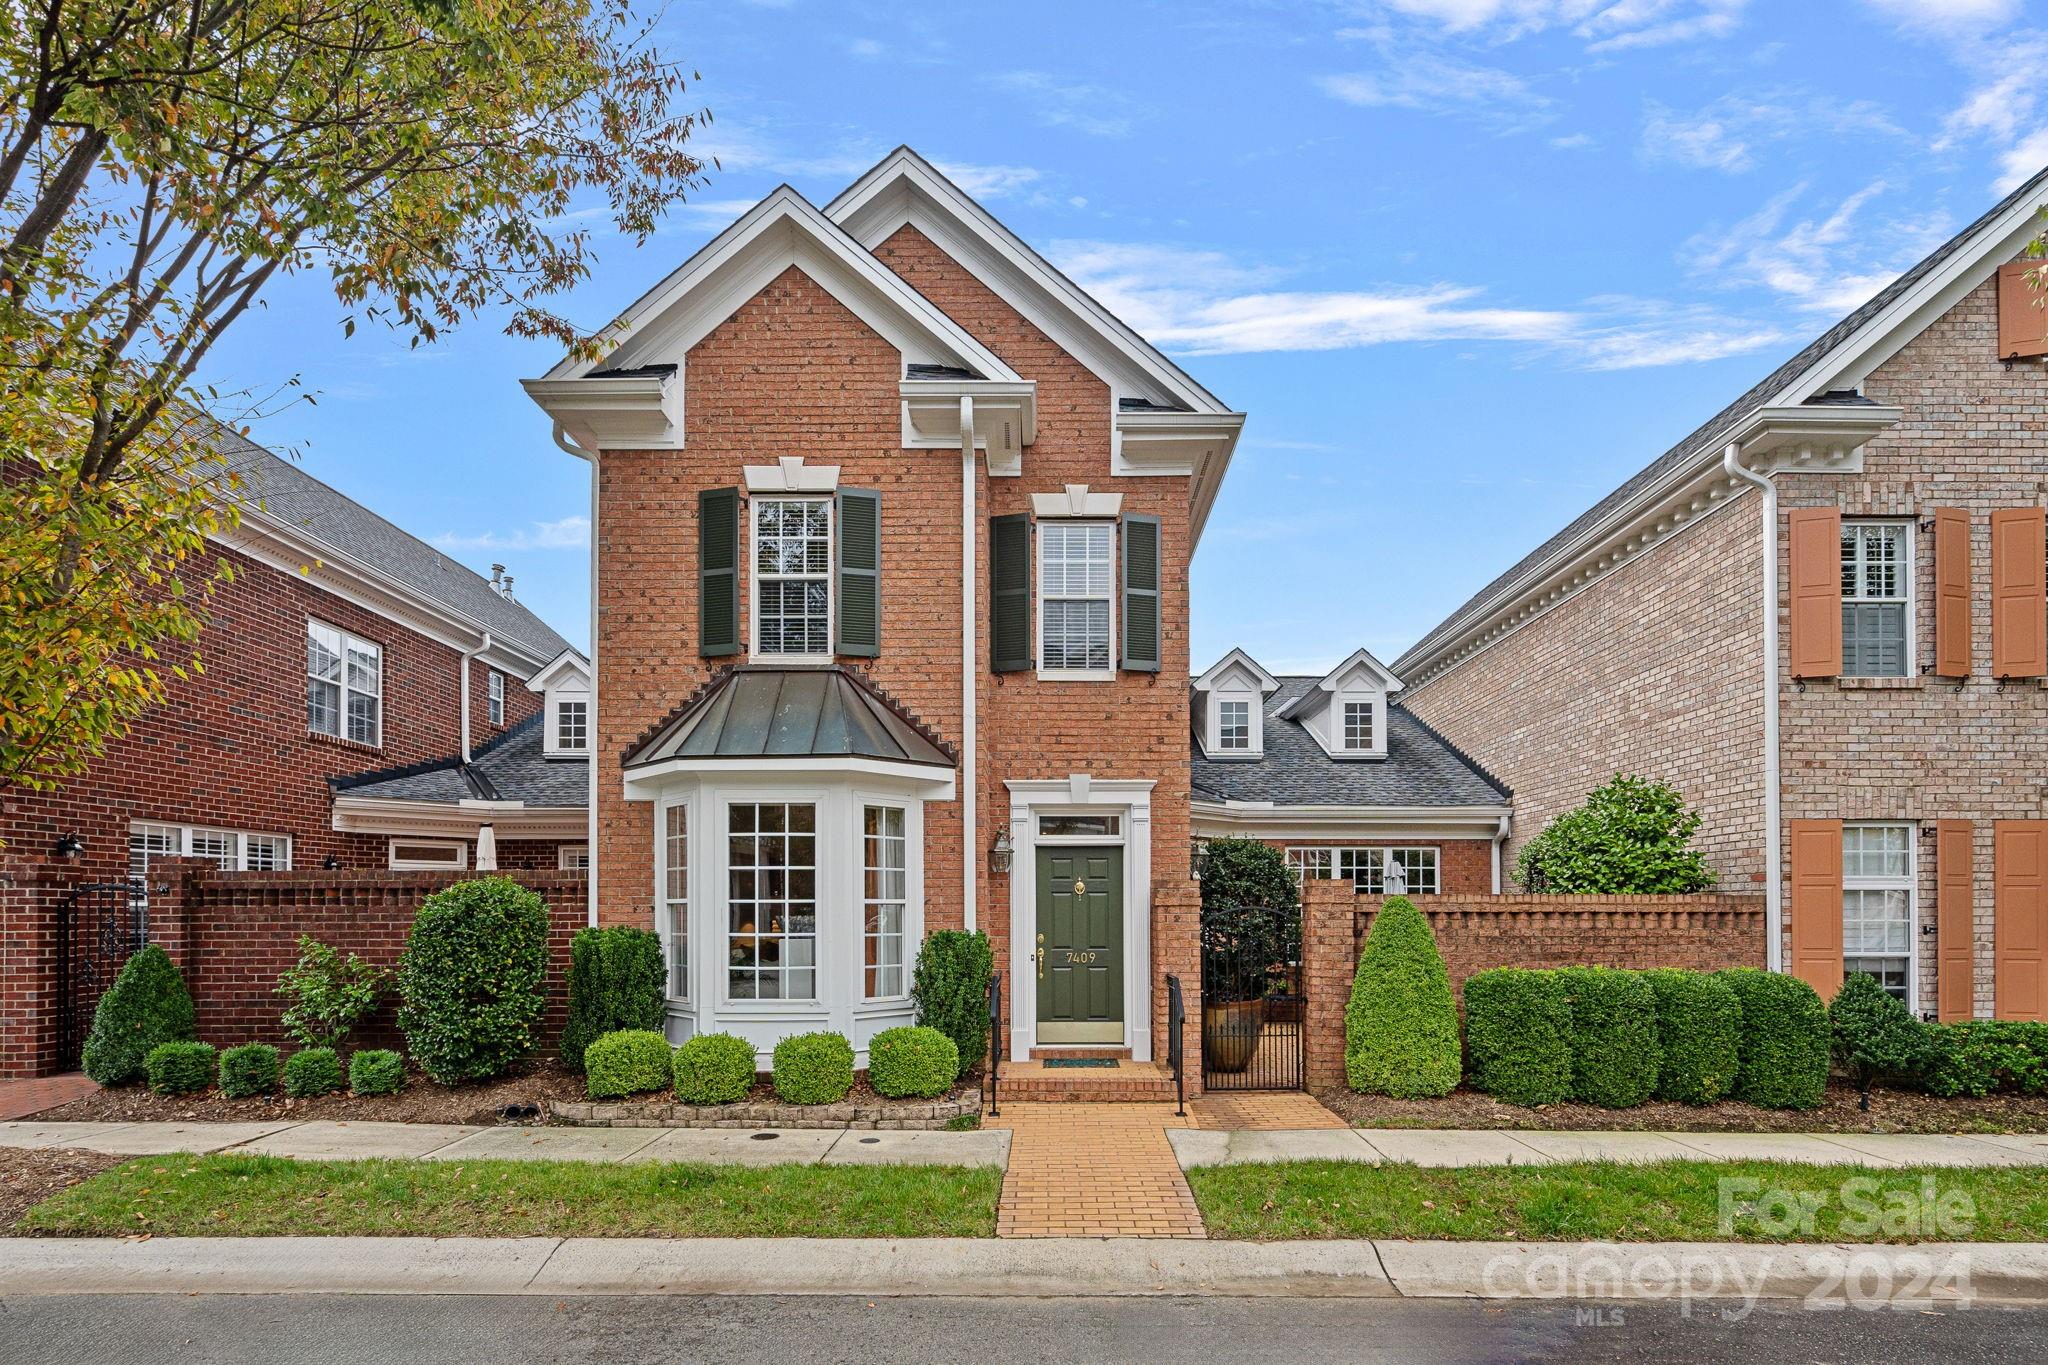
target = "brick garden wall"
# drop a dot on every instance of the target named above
(1475, 933)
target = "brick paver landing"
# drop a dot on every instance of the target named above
(1094, 1170)
(1263, 1110)
(19, 1099)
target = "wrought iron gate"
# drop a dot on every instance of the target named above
(100, 925)
(1252, 1003)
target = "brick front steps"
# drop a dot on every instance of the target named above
(890, 1114)
(1126, 1082)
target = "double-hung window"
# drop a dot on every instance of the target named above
(228, 849)
(495, 691)
(1877, 905)
(675, 898)
(884, 897)
(1357, 726)
(793, 577)
(344, 685)
(1877, 599)
(1075, 585)
(772, 901)
(1234, 725)
(1310, 864)
(572, 725)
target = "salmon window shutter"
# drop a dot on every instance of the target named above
(1816, 909)
(2022, 319)
(2019, 929)
(1814, 594)
(2019, 592)
(1951, 592)
(1954, 922)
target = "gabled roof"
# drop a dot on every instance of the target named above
(776, 713)
(1360, 660)
(570, 663)
(1838, 359)
(511, 767)
(783, 229)
(274, 488)
(1421, 769)
(1237, 658)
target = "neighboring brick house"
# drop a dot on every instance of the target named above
(892, 526)
(1344, 779)
(340, 645)
(1868, 742)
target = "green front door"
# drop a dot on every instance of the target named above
(1080, 949)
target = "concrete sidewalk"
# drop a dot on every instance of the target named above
(326, 1140)
(1501, 1147)
(1832, 1276)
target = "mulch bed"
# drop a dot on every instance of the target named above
(1891, 1111)
(543, 1083)
(28, 1178)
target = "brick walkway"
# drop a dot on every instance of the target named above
(19, 1099)
(1263, 1110)
(1094, 1170)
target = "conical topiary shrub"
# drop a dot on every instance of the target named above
(1401, 1027)
(147, 1004)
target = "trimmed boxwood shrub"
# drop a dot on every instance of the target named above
(1978, 1057)
(1615, 1052)
(1873, 1034)
(616, 981)
(147, 1004)
(1401, 1025)
(248, 1071)
(376, 1071)
(312, 1071)
(1783, 1056)
(471, 979)
(950, 989)
(629, 1061)
(1518, 1034)
(912, 1063)
(714, 1068)
(1699, 1027)
(180, 1068)
(813, 1068)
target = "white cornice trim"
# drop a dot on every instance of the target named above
(789, 474)
(615, 412)
(932, 782)
(1259, 820)
(569, 663)
(1077, 501)
(442, 819)
(1004, 421)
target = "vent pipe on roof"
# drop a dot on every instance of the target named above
(498, 576)
(506, 586)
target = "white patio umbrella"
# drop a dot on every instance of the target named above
(486, 849)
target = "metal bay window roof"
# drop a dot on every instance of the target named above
(771, 713)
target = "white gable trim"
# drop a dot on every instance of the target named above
(1238, 659)
(568, 666)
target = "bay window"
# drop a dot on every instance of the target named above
(772, 901)
(884, 891)
(675, 899)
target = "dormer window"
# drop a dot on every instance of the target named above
(564, 686)
(1358, 729)
(1234, 726)
(572, 726)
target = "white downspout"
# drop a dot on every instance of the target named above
(467, 655)
(970, 834)
(589, 877)
(1774, 906)
(1500, 839)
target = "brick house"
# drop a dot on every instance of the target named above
(1342, 777)
(1821, 616)
(891, 534)
(341, 646)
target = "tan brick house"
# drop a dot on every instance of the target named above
(892, 525)
(1821, 616)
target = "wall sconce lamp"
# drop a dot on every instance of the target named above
(330, 863)
(70, 846)
(999, 853)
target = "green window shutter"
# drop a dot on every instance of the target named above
(718, 572)
(860, 572)
(1009, 593)
(1141, 593)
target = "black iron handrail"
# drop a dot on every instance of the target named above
(995, 1041)
(1176, 1017)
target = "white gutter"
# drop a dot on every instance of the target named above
(590, 800)
(970, 834)
(1774, 909)
(1500, 839)
(467, 655)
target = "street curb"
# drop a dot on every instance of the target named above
(1830, 1275)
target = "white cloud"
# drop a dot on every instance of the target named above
(1605, 25)
(1092, 109)
(866, 48)
(1703, 140)
(988, 182)
(1726, 134)
(1572, 141)
(1204, 303)
(2004, 108)
(1831, 263)
(1643, 24)
(570, 533)
(1947, 17)
(2019, 162)
(1419, 80)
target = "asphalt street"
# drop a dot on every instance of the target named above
(349, 1330)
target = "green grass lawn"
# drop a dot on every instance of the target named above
(260, 1196)
(1678, 1201)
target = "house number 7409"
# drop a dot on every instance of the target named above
(1080, 959)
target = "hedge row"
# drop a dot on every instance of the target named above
(809, 1068)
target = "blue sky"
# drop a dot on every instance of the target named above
(1466, 263)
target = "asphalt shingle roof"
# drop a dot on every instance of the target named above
(1718, 426)
(291, 495)
(1421, 767)
(510, 767)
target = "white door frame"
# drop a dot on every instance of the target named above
(1081, 794)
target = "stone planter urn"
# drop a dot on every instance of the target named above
(1230, 1034)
